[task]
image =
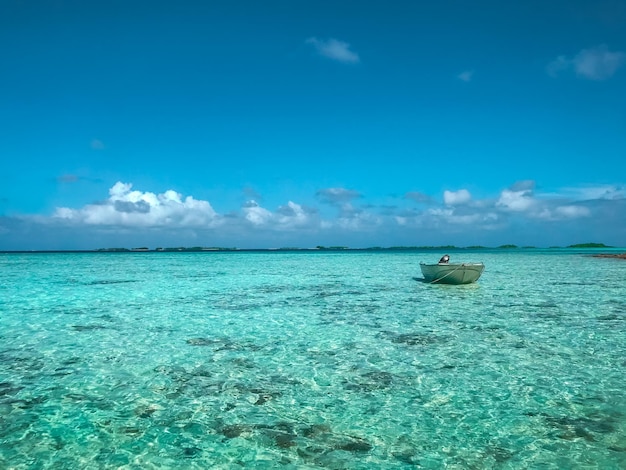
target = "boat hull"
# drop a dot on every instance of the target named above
(452, 273)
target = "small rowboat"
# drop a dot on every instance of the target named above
(452, 273)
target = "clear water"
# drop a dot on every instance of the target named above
(311, 360)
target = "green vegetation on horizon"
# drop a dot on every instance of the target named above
(590, 245)
(346, 248)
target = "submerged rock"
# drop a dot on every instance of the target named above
(417, 339)
(370, 381)
(582, 427)
(88, 327)
(610, 255)
(8, 388)
(235, 430)
(145, 411)
(354, 444)
(190, 452)
(203, 341)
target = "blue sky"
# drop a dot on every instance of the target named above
(298, 123)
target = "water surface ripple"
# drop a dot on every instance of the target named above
(311, 360)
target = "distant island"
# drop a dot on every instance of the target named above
(590, 245)
(332, 248)
(346, 248)
(600, 255)
(180, 248)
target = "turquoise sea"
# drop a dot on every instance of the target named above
(339, 360)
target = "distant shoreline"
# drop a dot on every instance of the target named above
(443, 248)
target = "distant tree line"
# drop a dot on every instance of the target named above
(346, 248)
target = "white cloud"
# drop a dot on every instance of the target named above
(256, 214)
(293, 215)
(572, 211)
(516, 201)
(466, 219)
(462, 215)
(584, 193)
(466, 76)
(441, 212)
(139, 217)
(335, 50)
(452, 198)
(357, 220)
(520, 198)
(288, 217)
(560, 213)
(143, 209)
(596, 63)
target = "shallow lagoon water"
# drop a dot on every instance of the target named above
(311, 360)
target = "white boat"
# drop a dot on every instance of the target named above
(451, 273)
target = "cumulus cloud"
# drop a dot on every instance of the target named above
(596, 63)
(142, 215)
(256, 214)
(355, 220)
(334, 49)
(287, 217)
(516, 201)
(520, 199)
(126, 207)
(129, 208)
(445, 216)
(466, 76)
(557, 213)
(441, 212)
(452, 198)
(610, 192)
(293, 211)
(572, 211)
